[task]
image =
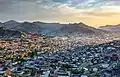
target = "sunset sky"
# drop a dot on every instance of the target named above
(92, 12)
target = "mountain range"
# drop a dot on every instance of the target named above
(79, 29)
(111, 28)
(51, 28)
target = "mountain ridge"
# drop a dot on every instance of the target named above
(51, 28)
(111, 28)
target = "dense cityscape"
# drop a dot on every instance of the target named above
(60, 57)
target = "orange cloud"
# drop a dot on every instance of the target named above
(102, 13)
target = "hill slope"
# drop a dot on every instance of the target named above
(6, 33)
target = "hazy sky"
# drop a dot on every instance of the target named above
(92, 12)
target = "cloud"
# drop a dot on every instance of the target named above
(57, 10)
(60, 1)
(104, 14)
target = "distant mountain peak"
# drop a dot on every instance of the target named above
(111, 28)
(82, 23)
(26, 22)
(11, 21)
(38, 22)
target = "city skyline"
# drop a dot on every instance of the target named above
(92, 12)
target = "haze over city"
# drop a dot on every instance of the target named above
(92, 12)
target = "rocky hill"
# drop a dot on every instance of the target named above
(6, 33)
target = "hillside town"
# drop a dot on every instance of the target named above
(59, 57)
